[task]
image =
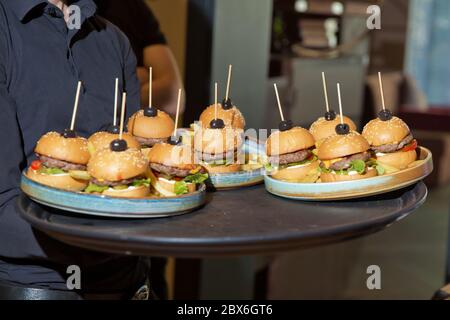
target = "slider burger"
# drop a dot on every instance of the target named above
(150, 126)
(391, 141)
(62, 161)
(290, 154)
(345, 156)
(218, 148)
(103, 139)
(325, 127)
(230, 115)
(118, 171)
(172, 171)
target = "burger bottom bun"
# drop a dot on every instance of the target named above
(330, 177)
(132, 192)
(60, 181)
(295, 173)
(232, 168)
(400, 160)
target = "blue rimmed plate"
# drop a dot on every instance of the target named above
(353, 189)
(243, 178)
(97, 205)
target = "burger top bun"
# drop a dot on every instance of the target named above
(115, 166)
(379, 132)
(103, 139)
(54, 145)
(322, 129)
(179, 156)
(293, 140)
(231, 117)
(158, 127)
(339, 146)
(218, 141)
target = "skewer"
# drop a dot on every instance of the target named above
(340, 103)
(116, 101)
(150, 87)
(178, 113)
(325, 91)
(122, 115)
(279, 102)
(381, 90)
(215, 101)
(75, 107)
(230, 70)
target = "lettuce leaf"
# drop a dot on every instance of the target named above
(181, 187)
(50, 171)
(140, 182)
(93, 188)
(196, 178)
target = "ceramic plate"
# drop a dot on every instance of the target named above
(353, 189)
(97, 205)
(242, 178)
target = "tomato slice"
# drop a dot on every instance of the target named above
(36, 165)
(411, 146)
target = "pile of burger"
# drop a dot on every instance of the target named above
(147, 161)
(331, 150)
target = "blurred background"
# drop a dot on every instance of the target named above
(291, 42)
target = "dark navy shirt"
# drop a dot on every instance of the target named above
(41, 61)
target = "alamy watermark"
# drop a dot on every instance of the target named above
(374, 280)
(374, 20)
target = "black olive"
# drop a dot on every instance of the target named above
(342, 129)
(174, 140)
(385, 115)
(330, 115)
(69, 133)
(227, 104)
(150, 112)
(119, 145)
(114, 129)
(286, 125)
(217, 124)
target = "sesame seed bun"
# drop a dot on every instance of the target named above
(54, 145)
(322, 129)
(115, 166)
(59, 181)
(293, 140)
(296, 173)
(218, 141)
(332, 177)
(158, 127)
(222, 169)
(378, 132)
(339, 146)
(103, 139)
(400, 160)
(231, 117)
(131, 192)
(179, 156)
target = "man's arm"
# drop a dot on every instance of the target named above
(166, 78)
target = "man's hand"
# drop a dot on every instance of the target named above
(166, 78)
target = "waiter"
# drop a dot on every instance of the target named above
(139, 24)
(41, 61)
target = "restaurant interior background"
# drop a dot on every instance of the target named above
(290, 42)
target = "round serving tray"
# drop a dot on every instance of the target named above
(353, 189)
(97, 205)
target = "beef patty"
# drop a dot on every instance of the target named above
(149, 142)
(106, 183)
(207, 157)
(171, 171)
(63, 165)
(346, 162)
(290, 157)
(393, 147)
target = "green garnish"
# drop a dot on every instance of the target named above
(120, 187)
(93, 188)
(358, 166)
(196, 178)
(51, 171)
(181, 188)
(140, 182)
